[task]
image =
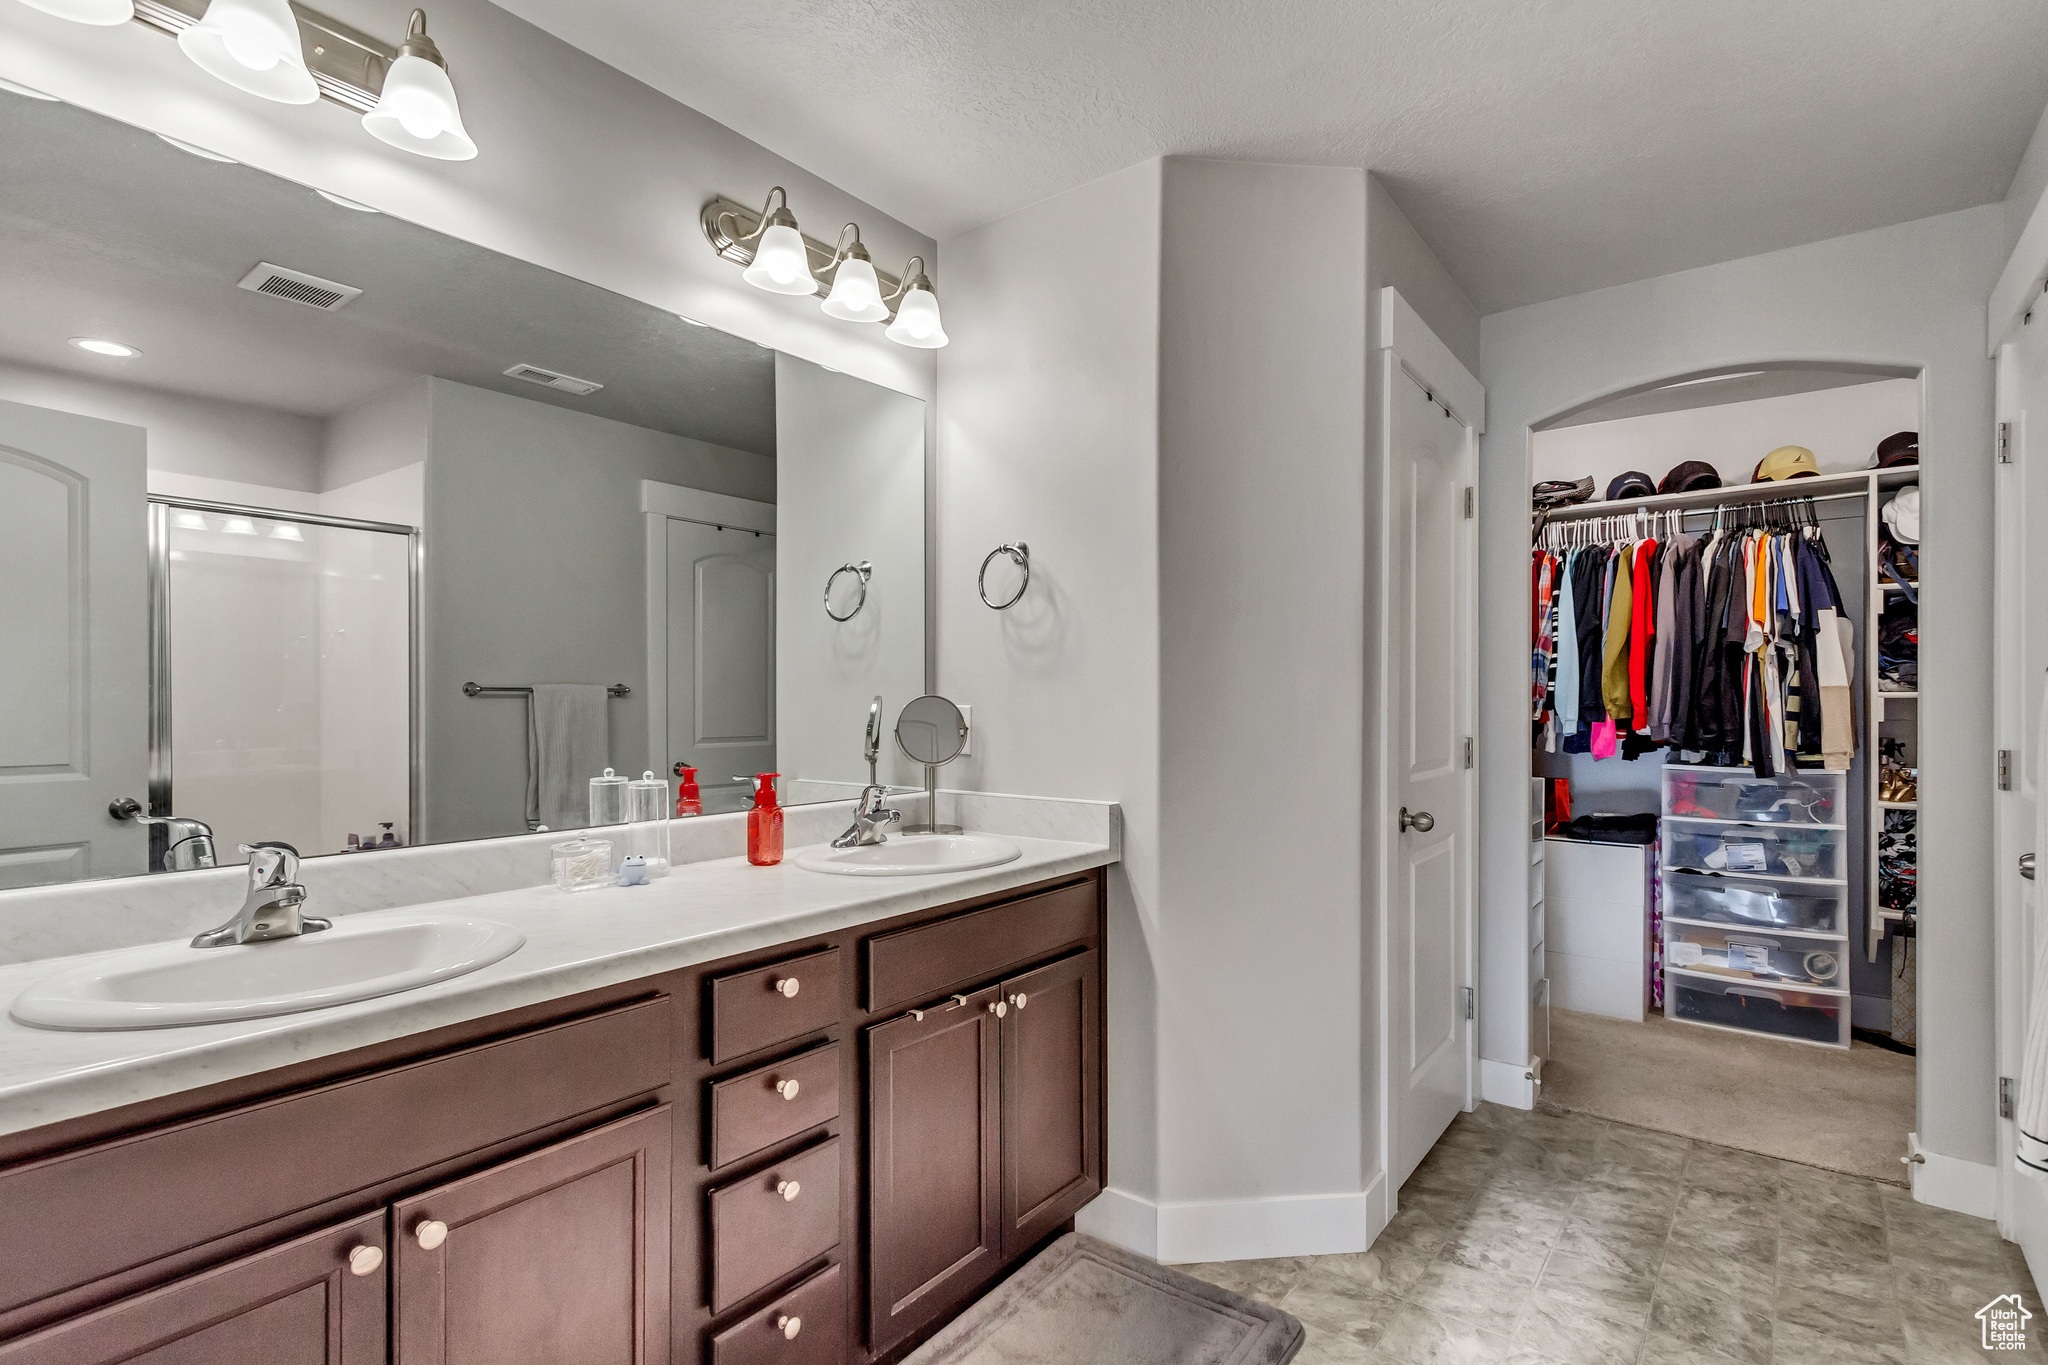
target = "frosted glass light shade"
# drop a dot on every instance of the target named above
(917, 321)
(103, 13)
(781, 265)
(856, 293)
(418, 113)
(254, 46)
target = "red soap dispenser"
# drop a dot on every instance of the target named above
(688, 800)
(764, 823)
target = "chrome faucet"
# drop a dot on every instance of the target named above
(271, 909)
(870, 819)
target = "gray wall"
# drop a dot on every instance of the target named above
(388, 432)
(535, 572)
(2029, 183)
(850, 466)
(1910, 295)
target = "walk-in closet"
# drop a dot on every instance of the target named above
(1723, 722)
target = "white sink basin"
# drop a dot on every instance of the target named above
(912, 855)
(171, 983)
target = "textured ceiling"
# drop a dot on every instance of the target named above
(1543, 147)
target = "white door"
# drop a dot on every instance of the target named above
(74, 637)
(1428, 672)
(2022, 672)
(721, 656)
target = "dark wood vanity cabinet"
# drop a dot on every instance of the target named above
(811, 1155)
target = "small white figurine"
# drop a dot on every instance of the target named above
(633, 872)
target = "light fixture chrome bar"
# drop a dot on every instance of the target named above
(347, 64)
(732, 229)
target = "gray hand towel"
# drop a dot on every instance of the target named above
(568, 742)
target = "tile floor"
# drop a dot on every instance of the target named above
(1555, 1239)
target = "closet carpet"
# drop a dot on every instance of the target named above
(1842, 1111)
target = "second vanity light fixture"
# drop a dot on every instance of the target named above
(778, 258)
(285, 52)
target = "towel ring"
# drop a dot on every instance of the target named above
(1018, 551)
(863, 571)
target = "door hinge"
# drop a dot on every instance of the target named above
(1468, 751)
(1471, 1003)
(2005, 770)
(2008, 1098)
(2005, 443)
(1471, 496)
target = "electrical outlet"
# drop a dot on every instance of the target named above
(967, 746)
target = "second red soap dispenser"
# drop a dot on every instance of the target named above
(764, 823)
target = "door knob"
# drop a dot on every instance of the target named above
(2027, 866)
(1017, 1000)
(789, 1326)
(364, 1260)
(1422, 822)
(787, 1089)
(788, 1189)
(998, 1008)
(786, 985)
(431, 1234)
(124, 808)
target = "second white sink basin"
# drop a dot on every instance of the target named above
(912, 855)
(172, 983)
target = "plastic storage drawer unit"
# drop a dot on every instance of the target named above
(1756, 1008)
(1783, 959)
(1753, 904)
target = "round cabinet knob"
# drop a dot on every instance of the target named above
(365, 1260)
(788, 1189)
(1017, 1000)
(789, 1326)
(998, 1008)
(786, 985)
(787, 1089)
(431, 1234)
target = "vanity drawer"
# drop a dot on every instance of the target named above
(921, 963)
(773, 1004)
(771, 1103)
(758, 1233)
(817, 1307)
(136, 1199)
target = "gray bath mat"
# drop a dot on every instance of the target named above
(1084, 1302)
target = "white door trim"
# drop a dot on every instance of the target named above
(662, 502)
(1407, 343)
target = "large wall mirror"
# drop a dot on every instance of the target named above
(381, 538)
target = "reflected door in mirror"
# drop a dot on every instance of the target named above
(721, 656)
(74, 675)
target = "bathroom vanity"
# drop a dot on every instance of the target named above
(817, 1150)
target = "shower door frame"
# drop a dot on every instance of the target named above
(160, 506)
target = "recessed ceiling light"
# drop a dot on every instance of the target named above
(345, 203)
(16, 88)
(101, 347)
(198, 151)
(692, 321)
(1712, 379)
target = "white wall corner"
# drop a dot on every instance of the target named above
(1257, 1229)
(1949, 1182)
(1508, 1084)
(1122, 1219)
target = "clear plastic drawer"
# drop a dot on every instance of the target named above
(1746, 904)
(1758, 851)
(1783, 958)
(1723, 796)
(1755, 1008)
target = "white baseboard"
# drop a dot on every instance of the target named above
(1949, 1182)
(1239, 1229)
(1508, 1084)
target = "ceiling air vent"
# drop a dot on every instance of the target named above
(299, 287)
(567, 383)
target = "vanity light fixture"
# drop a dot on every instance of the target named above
(100, 346)
(417, 111)
(253, 45)
(856, 293)
(99, 13)
(238, 526)
(195, 150)
(917, 310)
(781, 263)
(17, 88)
(286, 531)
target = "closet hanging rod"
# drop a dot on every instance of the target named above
(1858, 483)
(471, 689)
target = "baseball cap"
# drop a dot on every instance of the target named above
(1690, 477)
(1901, 447)
(1787, 462)
(1902, 514)
(1633, 484)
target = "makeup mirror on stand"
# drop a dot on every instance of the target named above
(931, 731)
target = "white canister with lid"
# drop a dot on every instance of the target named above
(607, 800)
(647, 817)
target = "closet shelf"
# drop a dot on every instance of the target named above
(1853, 481)
(1762, 930)
(1890, 586)
(1889, 695)
(1749, 824)
(1898, 805)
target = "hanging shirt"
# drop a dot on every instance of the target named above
(1614, 690)
(1641, 605)
(1567, 701)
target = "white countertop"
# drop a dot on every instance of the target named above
(701, 912)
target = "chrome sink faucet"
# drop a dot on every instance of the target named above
(271, 909)
(870, 820)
